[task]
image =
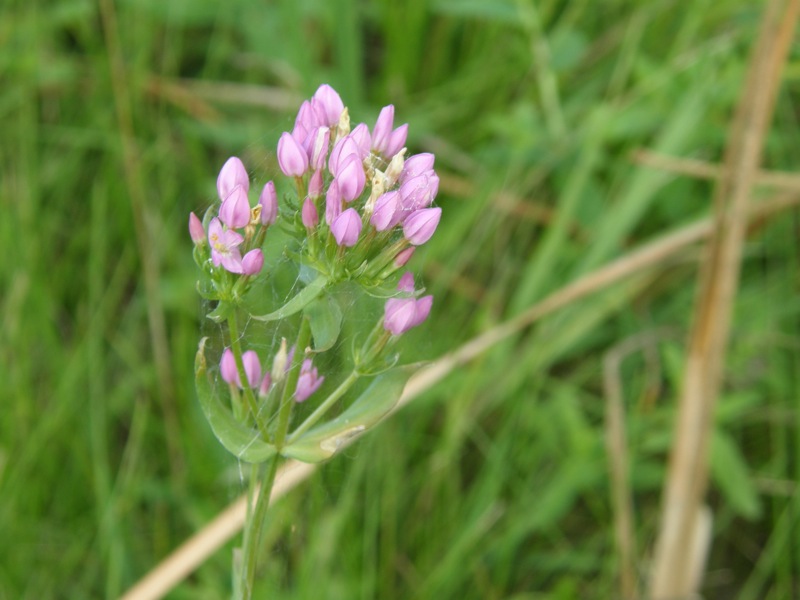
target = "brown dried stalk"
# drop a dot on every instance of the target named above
(676, 571)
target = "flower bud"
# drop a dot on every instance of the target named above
(252, 368)
(346, 228)
(406, 283)
(266, 383)
(319, 140)
(231, 175)
(384, 215)
(253, 262)
(330, 102)
(421, 225)
(383, 129)
(404, 256)
(396, 141)
(333, 203)
(227, 368)
(363, 141)
(235, 209)
(280, 363)
(309, 214)
(417, 165)
(230, 373)
(351, 177)
(196, 230)
(269, 204)
(401, 314)
(292, 159)
(315, 184)
(418, 192)
(341, 150)
(308, 382)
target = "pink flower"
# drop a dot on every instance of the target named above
(308, 382)
(330, 103)
(235, 209)
(416, 165)
(351, 177)
(385, 141)
(333, 203)
(385, 214)
(231, 175)
(406, 283)
(341, 150)
(253, 262)
(347, 227)
(196, 231)
(269, 204)
(292, 158)
(383, 129)
(404, 256)
(230, 374)
(360, 135)
(315, 184)
(418, 192)
(318, 142)
(421, 225)
(309, 214)
(401, 314)
(224, 246)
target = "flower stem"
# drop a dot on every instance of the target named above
(259, 494)
(325, 406)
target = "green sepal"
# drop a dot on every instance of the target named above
(241, 441)
(322, 442)
(325, 317)
(305, 297)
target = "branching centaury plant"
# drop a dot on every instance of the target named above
(291, 276)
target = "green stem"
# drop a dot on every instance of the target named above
(258, 514)
(324, 407)
(249, 398)
(255, 526)
(287, 400)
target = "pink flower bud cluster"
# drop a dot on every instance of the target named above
(368, 183)
(308, 382)
(234, 214)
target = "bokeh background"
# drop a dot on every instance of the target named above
(115, 118)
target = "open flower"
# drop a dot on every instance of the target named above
(224, 246)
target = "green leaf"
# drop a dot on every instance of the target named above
(241, 441)
(305, 297)
(325, 318)
(730, 472)
(322, 442)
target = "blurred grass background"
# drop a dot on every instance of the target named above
(115, 120)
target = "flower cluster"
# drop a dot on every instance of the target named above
(352, 208)
(235, 217)
(363, 184)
